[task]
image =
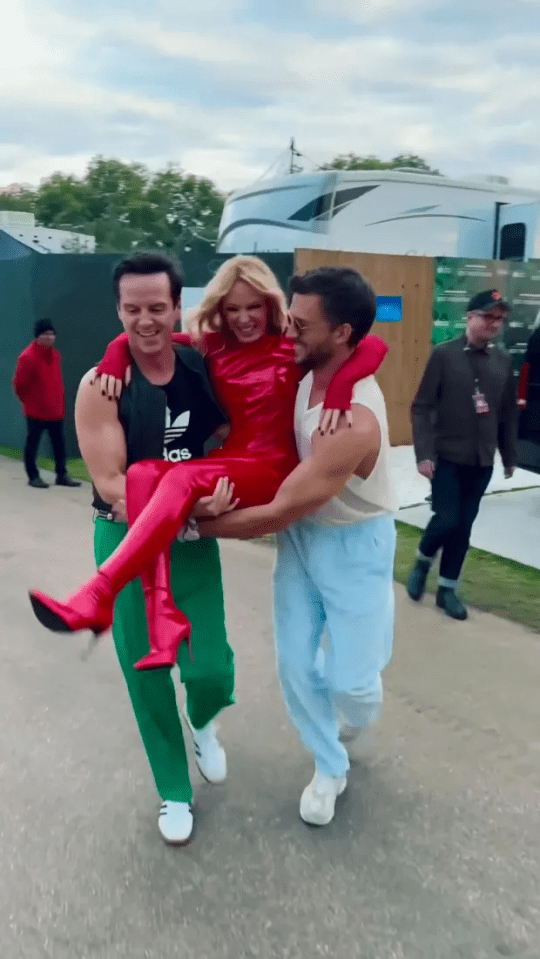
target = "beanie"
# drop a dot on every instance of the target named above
(43, 326)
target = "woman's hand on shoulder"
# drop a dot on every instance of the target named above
(329, 420)
(111, 387)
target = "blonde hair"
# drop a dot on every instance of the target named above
(207, 317)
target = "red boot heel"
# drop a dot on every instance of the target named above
(167, 628)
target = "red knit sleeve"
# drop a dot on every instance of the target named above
(365, 361)
(117, 358)
(183, 339)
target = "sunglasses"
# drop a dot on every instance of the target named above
(493, 317)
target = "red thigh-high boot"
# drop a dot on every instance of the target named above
(91, 607)
(167, 625)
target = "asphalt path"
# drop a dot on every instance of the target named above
(434, 850)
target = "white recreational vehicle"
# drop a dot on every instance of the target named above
(390, 211)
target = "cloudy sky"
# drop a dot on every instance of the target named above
(220, 86)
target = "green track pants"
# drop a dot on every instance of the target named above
(209, 679)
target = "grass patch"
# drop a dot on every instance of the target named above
(490, 583)
(76, 467)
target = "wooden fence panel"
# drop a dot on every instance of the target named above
(411, 278)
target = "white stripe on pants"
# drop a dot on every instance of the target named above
(337, 579)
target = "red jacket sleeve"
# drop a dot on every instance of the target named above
(365, 361)
(24, 374)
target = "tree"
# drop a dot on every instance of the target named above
(191, 207)
(351, 161)
(23, 202)
(61, 203)
(126, 206)
(413, 162)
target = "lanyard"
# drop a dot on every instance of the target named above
(480, 404)
(473, 360)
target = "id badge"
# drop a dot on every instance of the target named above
(480, 403)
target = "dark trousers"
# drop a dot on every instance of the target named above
(55, 429)
(456, 494)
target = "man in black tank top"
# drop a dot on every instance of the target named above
(173, 421)
(168, 412)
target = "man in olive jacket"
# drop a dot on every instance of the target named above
(465, 409)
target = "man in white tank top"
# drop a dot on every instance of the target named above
(336, 540)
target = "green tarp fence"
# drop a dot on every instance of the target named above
(75, 292)
(457, 280)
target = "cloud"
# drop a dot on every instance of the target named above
(220, 88)
(367, 11)
(419, 15)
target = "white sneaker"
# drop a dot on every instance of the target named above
(209, 753)
(318, 800)
(175, 822)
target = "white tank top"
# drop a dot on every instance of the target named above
(360, 499)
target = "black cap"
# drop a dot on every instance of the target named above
(43, 326)
(482, 302)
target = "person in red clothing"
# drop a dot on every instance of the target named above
(39, 386)
(255, 375)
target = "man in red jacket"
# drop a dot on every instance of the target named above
(39, 386)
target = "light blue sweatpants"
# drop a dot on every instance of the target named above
(338, 580)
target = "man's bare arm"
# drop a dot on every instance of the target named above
(314, 481)
(102, 443)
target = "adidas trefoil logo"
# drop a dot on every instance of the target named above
(178, 427)
(173, 431)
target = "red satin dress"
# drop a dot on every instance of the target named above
(256, 386)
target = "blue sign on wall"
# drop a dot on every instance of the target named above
(389, 309)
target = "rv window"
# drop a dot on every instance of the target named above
(512, 241)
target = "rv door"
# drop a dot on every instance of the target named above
(518, 231)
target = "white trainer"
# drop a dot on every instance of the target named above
(318, 801)
(209, 753)
(175, 822)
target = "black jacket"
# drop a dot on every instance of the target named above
(445, 422)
